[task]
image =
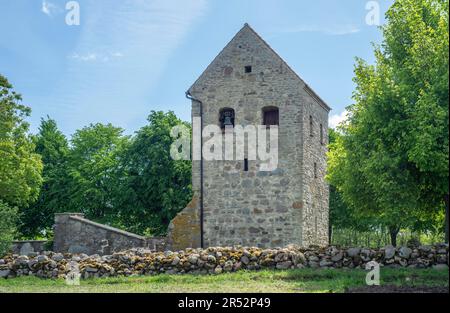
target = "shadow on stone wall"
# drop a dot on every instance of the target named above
(26, 247)
(184, 229)
(75, 234)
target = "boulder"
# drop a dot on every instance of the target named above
(325, 263)
(425, 248)
(389, 252)
(404, 252)
(245, 260)
(352, 252)
(90, 269)
(193, 259)
(228, 266)
(211, 259)
(175, 261)
(57, 257)
(5, 273)
(42, 258)
(337, 257)
(284, 265)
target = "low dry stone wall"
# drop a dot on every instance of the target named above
(141, 261)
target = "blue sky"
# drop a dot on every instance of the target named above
(129, 57)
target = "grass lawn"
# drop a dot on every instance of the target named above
(301, 280)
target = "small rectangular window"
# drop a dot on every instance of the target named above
(246, 165)
(270, 116)
(248, 69)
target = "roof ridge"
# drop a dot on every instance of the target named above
(307, 88)
(209, 65)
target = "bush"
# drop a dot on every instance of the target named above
(48, 246)
(8, 220)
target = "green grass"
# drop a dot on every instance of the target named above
(302, 280)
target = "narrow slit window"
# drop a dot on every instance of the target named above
(321, 134)
(311, 125)
(248, 69)
(245, 165)
(315, 170)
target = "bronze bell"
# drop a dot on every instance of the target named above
(227, 121)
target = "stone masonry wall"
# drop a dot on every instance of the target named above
(184, 229)
(315, 190)
(26, 246)
(75, 234)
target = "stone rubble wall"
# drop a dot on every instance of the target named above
(24, 247)
(215, 260)
(75, 234)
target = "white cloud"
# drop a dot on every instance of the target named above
(120, 55)
(84, 57)
(92, 56)
(346, 30)
(117, 54)
(49, 8)
(336, 119)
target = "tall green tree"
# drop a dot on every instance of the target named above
(343, 215)
(94, 160)
(52, 146)
(8, 226)
(392, 160)
(156, 186)
(20, 166)
(416, 48)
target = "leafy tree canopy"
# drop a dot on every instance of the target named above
(20, 166)
(391, 161)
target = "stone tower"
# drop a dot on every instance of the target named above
(249, 82)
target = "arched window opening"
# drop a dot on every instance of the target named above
(226, 118)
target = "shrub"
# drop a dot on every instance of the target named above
(8, 220)
(48, 246)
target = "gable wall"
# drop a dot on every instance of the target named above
(252, 208)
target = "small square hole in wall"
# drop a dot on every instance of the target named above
(248, 69)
